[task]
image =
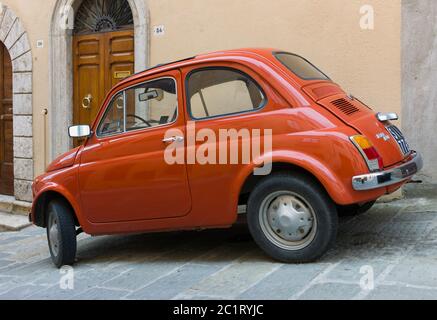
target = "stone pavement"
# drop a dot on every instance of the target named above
(392, 249)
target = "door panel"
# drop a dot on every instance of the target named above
(101, 60)
(87, 110)
(125, 177)
(6, 124)
(88, 77)
(121, 57)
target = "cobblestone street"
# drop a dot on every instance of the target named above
(397, 241)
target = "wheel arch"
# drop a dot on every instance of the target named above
(41, 203)
(300, 163)
(252, 180)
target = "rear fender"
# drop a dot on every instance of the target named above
(334, 181)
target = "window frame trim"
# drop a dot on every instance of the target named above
(188, 101)
(124, 109)
(276, 53)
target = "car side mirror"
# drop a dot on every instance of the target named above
(83, 131)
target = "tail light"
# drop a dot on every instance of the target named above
(369, 152)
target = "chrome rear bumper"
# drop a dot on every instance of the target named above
(390, 177)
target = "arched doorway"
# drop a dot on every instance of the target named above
(6, 124)
(66, 94)
(16, 110)
(103, 53)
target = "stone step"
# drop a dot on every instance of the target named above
(10, 205)
(13, 222)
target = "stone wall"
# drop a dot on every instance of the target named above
(419, 80)
(15, 38)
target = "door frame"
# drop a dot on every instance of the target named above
(61, 66)
(16, 40)
(104, 60)
(6, 117)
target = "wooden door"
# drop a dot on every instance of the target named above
(101, 60)
(6, 124)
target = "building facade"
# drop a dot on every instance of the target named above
(60, 57)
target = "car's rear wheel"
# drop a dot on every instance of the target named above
(355, 209)
(292, 218)
(61, 233)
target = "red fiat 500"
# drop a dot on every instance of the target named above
(186, 145)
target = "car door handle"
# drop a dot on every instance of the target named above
(173, 139)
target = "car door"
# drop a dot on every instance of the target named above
(223, 100)
(123, 174)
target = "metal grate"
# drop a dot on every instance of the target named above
(102, 16)
(345, 106)
(400, 139)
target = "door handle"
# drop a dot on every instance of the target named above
(173, 139)
(86, 102)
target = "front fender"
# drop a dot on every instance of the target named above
(62, 184)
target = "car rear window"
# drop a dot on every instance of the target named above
(300, 66)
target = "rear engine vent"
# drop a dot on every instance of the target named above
(345, 106)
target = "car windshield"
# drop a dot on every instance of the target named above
(300, 66)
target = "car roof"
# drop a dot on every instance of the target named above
(245, 52)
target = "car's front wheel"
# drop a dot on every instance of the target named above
(61, 233)
(292, 218)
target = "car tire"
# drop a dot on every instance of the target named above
(292, 218)
(355, 209)
(61, 233)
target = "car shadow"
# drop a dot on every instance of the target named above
(207, 246)
(368, 236)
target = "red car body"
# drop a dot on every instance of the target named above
(121, 184)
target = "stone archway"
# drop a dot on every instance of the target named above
(15, 38)
(61, 75)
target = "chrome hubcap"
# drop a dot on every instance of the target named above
(54, 235)
(288, 220)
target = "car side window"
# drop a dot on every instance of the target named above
(113, 121)
(148, 105)
(151, 104)
(220, 92)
